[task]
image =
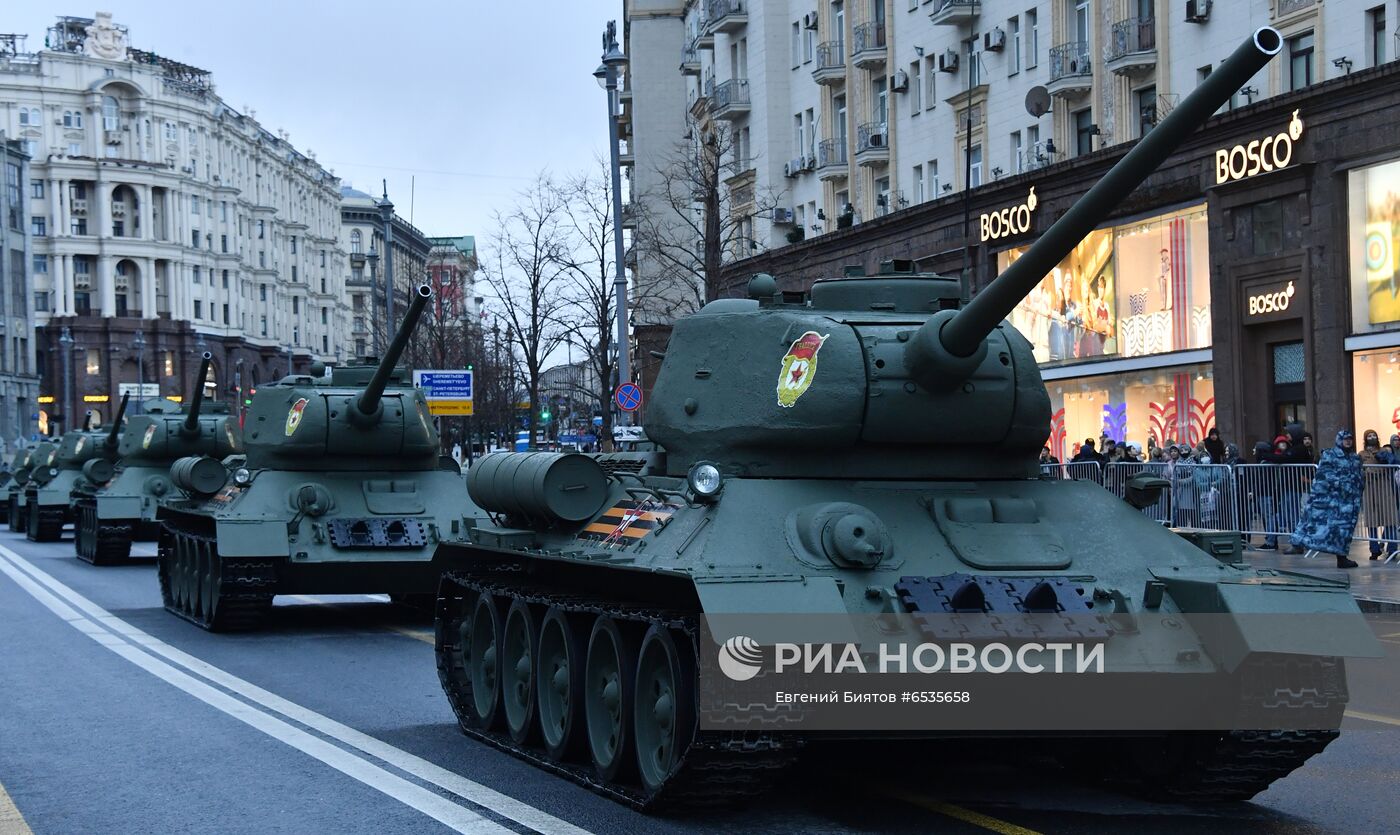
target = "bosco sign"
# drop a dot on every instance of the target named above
(1013, 220)
(1276, 302)
(1259, 155)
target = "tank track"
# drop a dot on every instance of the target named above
(99, 542)
(18, 517)
(213, 593)
(45, 524)
(718, 769)
(12, 514)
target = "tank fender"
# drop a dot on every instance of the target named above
(761, 608)
(118, 507)
(252, 539)
(1275, 614)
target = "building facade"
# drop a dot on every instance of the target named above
(452, 275)
(362, 236)
(165, 223)
(19, 382)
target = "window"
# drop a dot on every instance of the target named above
(796, 44)
(359, 347)
(196, 275)
(225, 279)
(24, 117)
(262, 259)
(294, 273)
(223, 243)
(296, 305)
(880, 105)
(930, 84)
(93, 361)
(1013, 59)
(1266, 224)
(262, 322)
(916, 88)
(194, 204)
(294, 244)
(261, 229)
(1147, 109)
(111, 114)
(72, 118)
(198, 309)
(75, 149)
(41, 302)
(974, 65)
(225, 314)
(325, 315)
(77, 226)
(194, 238)
(918, 179)
(167, 363)
(809, 45)
(1083, 131)
(223, 211)
(209, 241)
(38, 227)
(323, 258)
(262, 292)
(1017, 160)
(170, 134)
(356, 242)
(1032, 38)
(799, 142)
(1375, 20)
(931, 176)
(1300, 61)
(976, 167)
(36, 189)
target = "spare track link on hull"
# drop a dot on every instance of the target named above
(45, 523)
(99, 542)
(718, 769)
(221, 595)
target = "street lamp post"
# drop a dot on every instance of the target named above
(613, 60)
(139, 343)
(65, 340)
(386, 215)
(373, 258)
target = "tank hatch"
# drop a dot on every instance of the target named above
(896, 288)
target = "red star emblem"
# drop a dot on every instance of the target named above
(797, 374)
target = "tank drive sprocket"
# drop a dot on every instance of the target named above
(214, 593)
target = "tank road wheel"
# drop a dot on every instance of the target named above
(664, 707)
(483, 657)
(559, 692)
(607, 698)
(518, 655)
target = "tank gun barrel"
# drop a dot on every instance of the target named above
(367, 404)
(962, 334)
(116, 430)
(191, 425)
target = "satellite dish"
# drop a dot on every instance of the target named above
(1037, 102)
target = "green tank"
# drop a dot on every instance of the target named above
(14, 492)
(116, 504)
(341, 490)
(47, 495)
(869, 452)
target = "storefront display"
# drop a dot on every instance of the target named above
(1165, 405)
(1374, 233)
(1132, 290)
(1376, 387)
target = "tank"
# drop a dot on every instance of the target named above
(868, 452)
(47, 495)
(19, 476)
(341, 489)
(114, 505)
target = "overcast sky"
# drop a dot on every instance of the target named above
(458, 104)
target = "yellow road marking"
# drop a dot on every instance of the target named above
(11, 821)
(965, 815)
(1373, 717)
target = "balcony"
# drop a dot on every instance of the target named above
(831, 159)
(955, 12)
(1132, 46)
(629, 216)
(890, 201)
(690, 61)
(79, 206)
(730, 100)
(831, 63)
(1071, 73)
(868, 45)
(726, 15)
(873, 143)
(625, 155)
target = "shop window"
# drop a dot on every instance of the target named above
(1373, 223)
(1376, 391)
(1163, 405)
(1266, 227)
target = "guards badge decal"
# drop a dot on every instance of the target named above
(799, 367)
(294, 416)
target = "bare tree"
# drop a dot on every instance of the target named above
(699, 216)
(526, 272)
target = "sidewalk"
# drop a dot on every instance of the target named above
(1376, 585)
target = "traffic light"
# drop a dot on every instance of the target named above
(544, 414)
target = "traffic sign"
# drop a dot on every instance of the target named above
(628, 397)
(447, 392)
(139, 390)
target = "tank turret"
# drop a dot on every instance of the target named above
(361, 412)
(892, 376)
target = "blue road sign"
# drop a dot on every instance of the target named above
(628, 397)
(447, 392)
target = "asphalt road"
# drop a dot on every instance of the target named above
(118, 717)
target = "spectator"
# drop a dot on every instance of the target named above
(1088, 453)
(1046, 457)
(1134, 453)
(1214, 446)
(1334, 502)
(1377, 513)
(1271, 491)
(1309, 448)
(1389, 490)
(1179, 473)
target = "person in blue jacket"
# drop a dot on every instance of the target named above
(1334, 502)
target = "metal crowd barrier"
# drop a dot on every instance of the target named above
(1199, 495)
(1074, 471)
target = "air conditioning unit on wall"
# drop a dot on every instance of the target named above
(1197, 11)
(994, 41)
(899, 82)
(781, 215)
(948, 61)
(809, 20)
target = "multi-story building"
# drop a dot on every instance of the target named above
(362, 236)
(19, 384)
(165, 223)
(452, 275)
(1221, 293)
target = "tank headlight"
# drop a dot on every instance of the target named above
(242, 477)
(704, 480)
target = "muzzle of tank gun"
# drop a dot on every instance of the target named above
(366, 410)
(191, 425)
(951, 344)
(116, 431)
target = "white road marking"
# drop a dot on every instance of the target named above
(11, 821)
(501, 804)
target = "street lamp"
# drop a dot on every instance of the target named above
(614, 60)
(65, 340)
(139, 343)
(373, 258)
(386, 216)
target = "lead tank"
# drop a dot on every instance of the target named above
(14, 491)
(114, 504)
(867, 453)
(48, 495)
(342, 491)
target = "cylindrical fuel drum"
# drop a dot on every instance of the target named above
(560, 486)
(98, 471)
(199, 474)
